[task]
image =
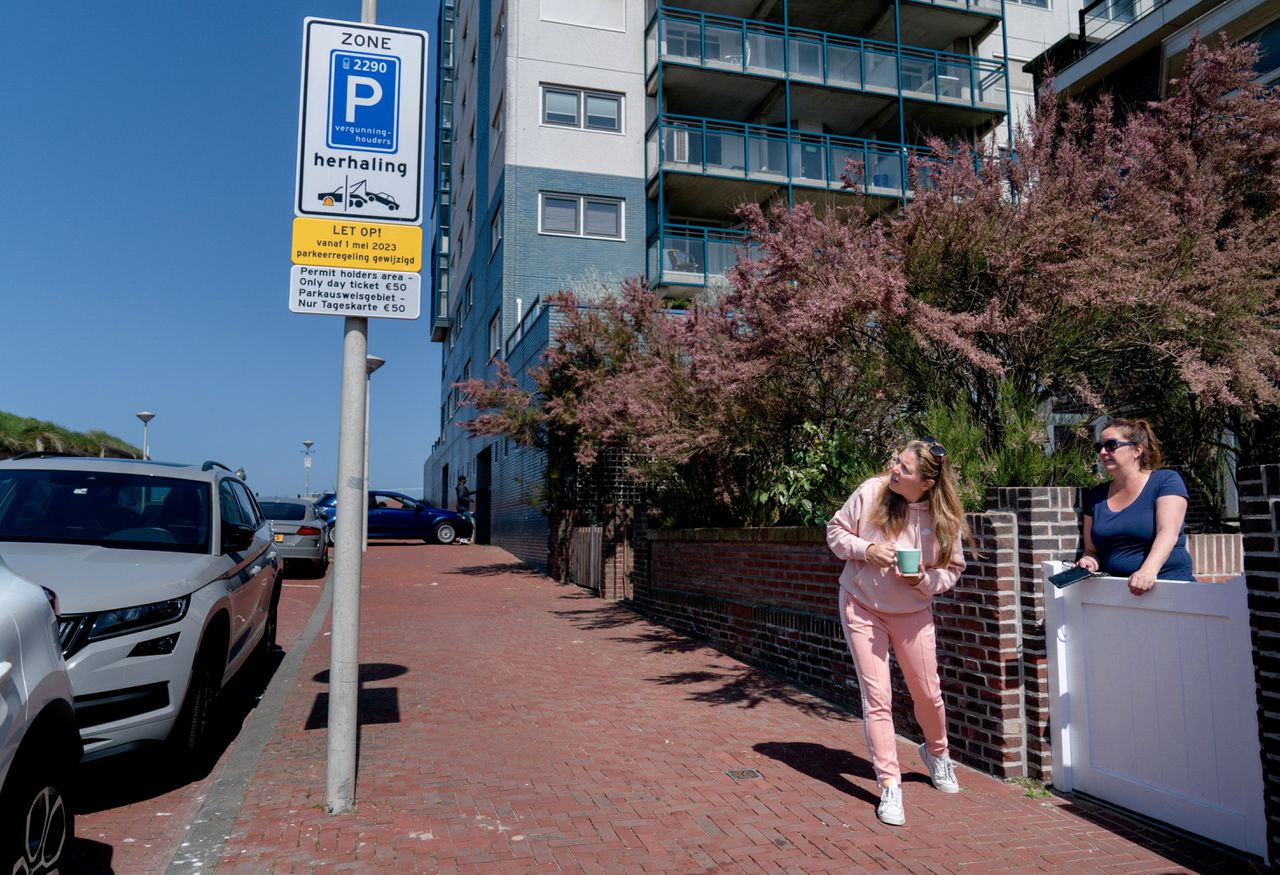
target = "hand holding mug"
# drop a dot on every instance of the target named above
(881, 555)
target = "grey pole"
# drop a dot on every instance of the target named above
(306, 465)
(371, 364)
(146, 416)
(344, 640)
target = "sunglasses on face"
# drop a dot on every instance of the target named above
(936, 449)
(1111, 445)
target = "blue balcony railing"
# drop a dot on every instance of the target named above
(767, 154)
(985, 7)
(688, 255)
(718, 42)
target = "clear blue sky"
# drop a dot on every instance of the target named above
(149, 151)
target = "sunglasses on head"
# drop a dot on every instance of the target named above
(1111, 445)
(936, 449)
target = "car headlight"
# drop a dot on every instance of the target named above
(122, 621)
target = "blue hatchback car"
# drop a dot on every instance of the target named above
(395, 516)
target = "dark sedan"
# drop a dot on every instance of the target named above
(395, 516)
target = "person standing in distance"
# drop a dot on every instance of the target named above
(1133, 524)
(912, 506)
(463, 505)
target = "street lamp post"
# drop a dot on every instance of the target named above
(371, 364)
(306, 467)
(146, 416)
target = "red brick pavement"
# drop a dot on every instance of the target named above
(516, 725)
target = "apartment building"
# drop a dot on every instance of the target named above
(598, 139)
(1133, 48)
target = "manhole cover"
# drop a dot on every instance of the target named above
(742, 774)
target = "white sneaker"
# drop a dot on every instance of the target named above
(890, 808)
(941, 770)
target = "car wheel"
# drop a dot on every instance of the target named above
(445, 533)
(39, 821)
(329, 536)
(190, 733)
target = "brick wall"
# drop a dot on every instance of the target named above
(769, 598)
(1216, 558)
(1260, 527)
(1048, 528)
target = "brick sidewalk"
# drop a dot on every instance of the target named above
(511, 724)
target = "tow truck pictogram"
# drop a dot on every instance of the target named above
(357, 196)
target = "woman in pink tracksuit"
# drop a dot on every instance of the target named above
(913, 505)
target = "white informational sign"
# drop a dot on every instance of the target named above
(360, 122)
(345, 291)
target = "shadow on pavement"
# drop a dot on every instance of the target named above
(369, 671)
(748, 687)
(148, 772)
(495, 568)
(87, 857)
(823, 764)
(1192, 852)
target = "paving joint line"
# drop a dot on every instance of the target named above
(202, 848)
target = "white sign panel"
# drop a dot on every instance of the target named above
(360, 126)
(344, 291)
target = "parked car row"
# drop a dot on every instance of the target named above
(393, 515)
(166, 580)
(131, 593)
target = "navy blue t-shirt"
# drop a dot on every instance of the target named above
(1122, 538)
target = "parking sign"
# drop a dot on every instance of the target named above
(363, 102)
(360, 128)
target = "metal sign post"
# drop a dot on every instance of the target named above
(360, 142)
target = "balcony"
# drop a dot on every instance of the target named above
(687, 255)
(771, 156)
(737, 45)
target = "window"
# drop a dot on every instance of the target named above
(466, 371)
(497, 124)
(470, 290)
(500, 27)
(495, 231)
(581, 216)
(471, 134)
(575, 108)
(1042, 4)
(495, 335)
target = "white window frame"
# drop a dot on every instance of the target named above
(582, 94)
(583, 200)
(498, 123)
(495, 336)
(495, 230)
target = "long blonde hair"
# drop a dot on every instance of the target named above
(890, 512)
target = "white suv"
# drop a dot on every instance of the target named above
(168, 582)
(39, 745)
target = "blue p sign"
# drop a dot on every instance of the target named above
(363, 101)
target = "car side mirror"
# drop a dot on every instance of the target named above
(236, 538)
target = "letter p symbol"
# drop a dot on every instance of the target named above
(355, 98)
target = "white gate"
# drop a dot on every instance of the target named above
(1153, 704)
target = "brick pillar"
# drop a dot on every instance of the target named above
(1260, 526)
(617, 551)
(1049, 527)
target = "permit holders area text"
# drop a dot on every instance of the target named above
(354, 292)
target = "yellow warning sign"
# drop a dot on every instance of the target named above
(335, 243)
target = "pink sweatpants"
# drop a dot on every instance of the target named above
(869, 633)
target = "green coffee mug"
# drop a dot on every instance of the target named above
(909, 561)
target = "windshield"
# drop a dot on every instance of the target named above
(283, 510)
(107, 509)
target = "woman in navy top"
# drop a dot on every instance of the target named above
(1133, 525)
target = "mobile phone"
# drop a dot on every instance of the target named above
(1070, 576)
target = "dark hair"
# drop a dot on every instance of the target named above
(462, 477)
(1141, 433)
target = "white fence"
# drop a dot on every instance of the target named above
(1153, 704)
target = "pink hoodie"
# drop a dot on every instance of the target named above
(851, 532)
